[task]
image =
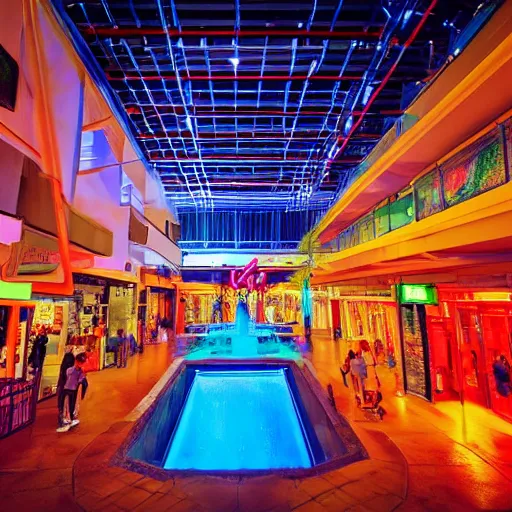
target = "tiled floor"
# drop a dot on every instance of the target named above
(454, 461)
(458, 458)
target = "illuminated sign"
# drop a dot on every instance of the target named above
(15, 291)
(417, 294)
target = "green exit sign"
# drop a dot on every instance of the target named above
(417, 294)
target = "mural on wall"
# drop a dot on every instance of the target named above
(428, 195)
(474, 175)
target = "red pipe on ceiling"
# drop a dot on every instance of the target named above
(173, 32)
(386, 78)
(226, 78)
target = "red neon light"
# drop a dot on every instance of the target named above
(248, 277)
(385, 80)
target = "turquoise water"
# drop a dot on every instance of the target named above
(236, 420)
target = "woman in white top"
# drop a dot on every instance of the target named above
(371, 382)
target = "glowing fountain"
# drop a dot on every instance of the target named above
(243, 343)
(245, 339)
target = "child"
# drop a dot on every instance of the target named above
(74, 376)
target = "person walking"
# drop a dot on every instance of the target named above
(122, 349)
(74, 377)
(345, 369)
(358, 372)
(68, 361)
(372, 381)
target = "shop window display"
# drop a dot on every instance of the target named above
(122, 314)
(50, 318)
(160, 315)
(496, 327)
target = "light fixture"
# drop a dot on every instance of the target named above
(456, 52)
(312, 67)
(367, 93)
(348, 125)
(300, 25)
(235, 61)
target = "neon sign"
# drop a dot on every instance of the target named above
(417, 294)
(249, 277)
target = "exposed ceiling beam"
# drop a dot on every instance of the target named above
(123, 32)
(135, 75)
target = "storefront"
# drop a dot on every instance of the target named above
(283, 304)
(414, 300)
(470, 335)
(103, 307)
(371, 317)
(18, 384)
(160, 314)
(122, 314)
(53, 317)
(321, 321)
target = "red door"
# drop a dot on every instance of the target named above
(474, 377)
(496, 327)
(336, 318)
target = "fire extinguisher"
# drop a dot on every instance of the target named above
(439, 381)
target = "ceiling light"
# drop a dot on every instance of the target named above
(312, 68)
(300, 25)
(235, 61)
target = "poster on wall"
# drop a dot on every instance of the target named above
(428, 195)
(414, 351)
(468, 177)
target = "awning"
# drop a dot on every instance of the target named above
(149, 245)
(35, 206)
(88, 234)
(137, 229)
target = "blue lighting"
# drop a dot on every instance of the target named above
(349, 122)
(239, 420)
(367, 93)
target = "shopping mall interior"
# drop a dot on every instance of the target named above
(309, 199)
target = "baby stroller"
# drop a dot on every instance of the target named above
(372, 400)
(371, 405)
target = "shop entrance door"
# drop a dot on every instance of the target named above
(496, 328)
(336, 319)
(445, 355)
(416, 350)
(474, 378)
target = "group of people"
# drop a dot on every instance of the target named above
(360, 365)
(72, 383)
(122, 346)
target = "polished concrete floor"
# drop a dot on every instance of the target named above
(457, 458)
